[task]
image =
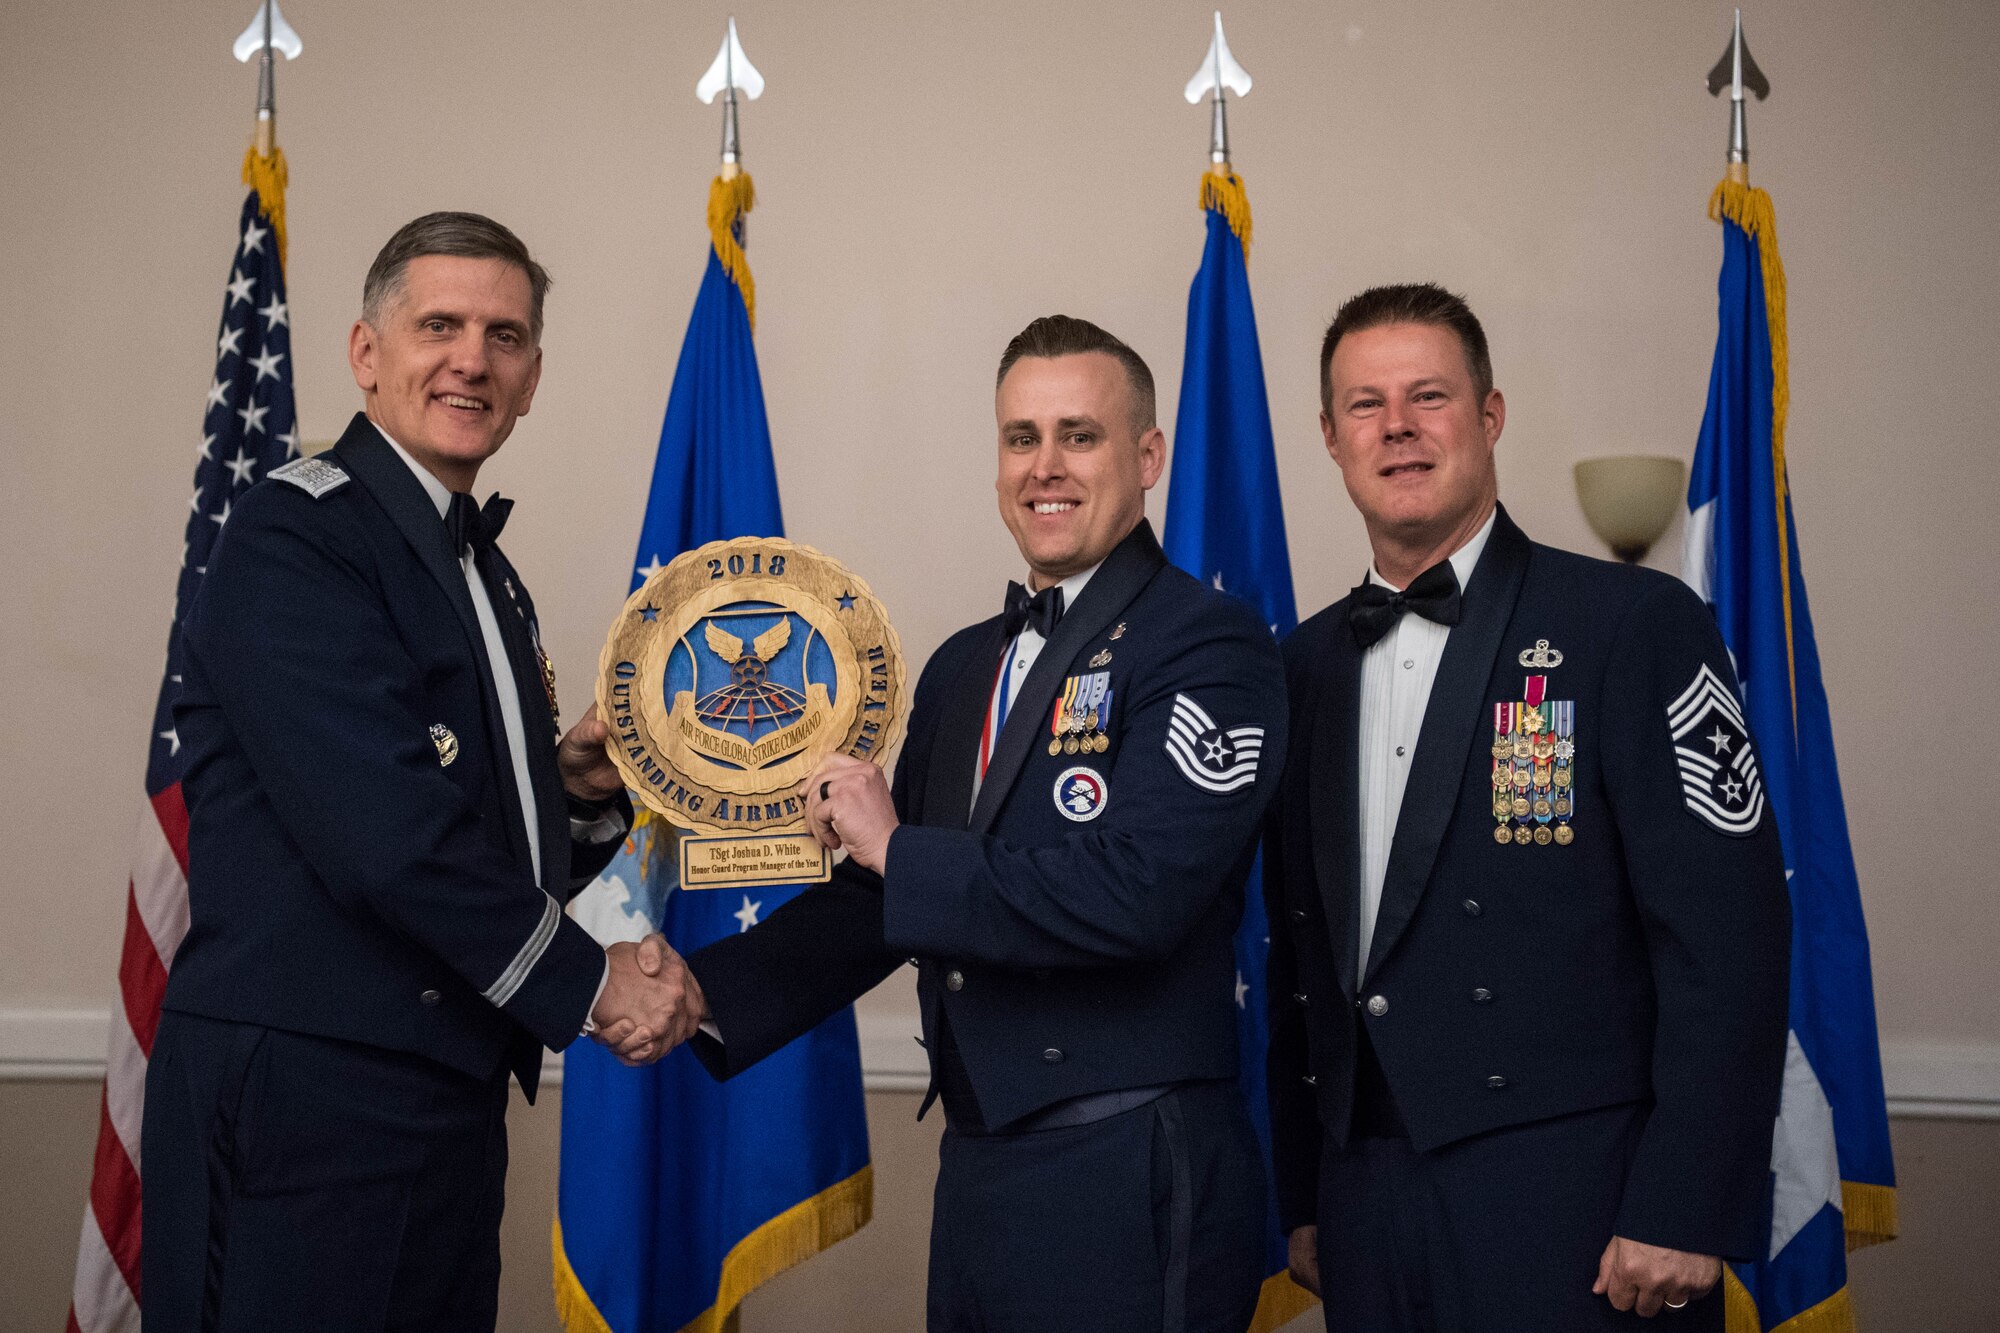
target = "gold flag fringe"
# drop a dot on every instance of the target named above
(1870, 1214)
(1750, 209)
(268, 176)
(1279, 1303)
(730, 198)
(1222, 190)
(1835, 1314)
(793, 1236)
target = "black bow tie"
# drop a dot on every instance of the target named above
(472, 528)
(1044, 610)
(1375, 608)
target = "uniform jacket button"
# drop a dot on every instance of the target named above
(1310, 1080)
(954, 980)
(430, 997)
(1299, 915)
(1472, 907)
(1300, 999)
(1480, 995)
(1052, 1056)
(1378, 1005)
(1497, 1082)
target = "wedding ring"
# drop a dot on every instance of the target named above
(1677, 1305)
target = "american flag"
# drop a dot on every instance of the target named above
(249, 426)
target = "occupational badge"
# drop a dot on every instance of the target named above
(1719, 777)
(1081, 793)
(1213, 758)
(1534, 748)
(447, 744)
(730, 674)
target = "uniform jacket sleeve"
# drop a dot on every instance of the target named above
(1716, 915)
(1131, 884)
(294, 640)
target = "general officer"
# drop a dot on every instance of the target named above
(383, 830)
(1529, 956)
(1063, 853)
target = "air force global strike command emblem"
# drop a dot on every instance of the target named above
(730, 674)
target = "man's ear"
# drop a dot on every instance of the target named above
(1332, 443)
(361, 354)
(1493, 412)
(1152, 457)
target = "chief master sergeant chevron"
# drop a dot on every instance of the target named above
(1063, 854)
(1529, 920)
(383, 830)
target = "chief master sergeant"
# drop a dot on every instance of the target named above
(1063, 854)
(383, 831)
(1529, 919)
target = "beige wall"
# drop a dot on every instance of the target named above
(935, 175)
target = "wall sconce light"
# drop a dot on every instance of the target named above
(1630, 501)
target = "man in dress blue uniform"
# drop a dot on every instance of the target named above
(1063, 856)
(383, 831)
(1530, 925)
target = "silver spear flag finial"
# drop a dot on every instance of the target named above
(1736, 71)
(268, 32)
(731, 71)
(1219, 71)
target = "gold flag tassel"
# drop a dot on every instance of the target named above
(1222, 190)
(267, 175)
(1750, 208)
(730, 197)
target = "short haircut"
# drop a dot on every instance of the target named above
(461, 235)
(1065, 335)
(1407, 303)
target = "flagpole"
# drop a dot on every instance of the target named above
(267, 37)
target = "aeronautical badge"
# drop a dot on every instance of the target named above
(726, 680)
(446, 743)
(315, 476)
(1213, 759)
(1081, 793)
(1719, 777)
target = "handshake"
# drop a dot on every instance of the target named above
(650, 1004)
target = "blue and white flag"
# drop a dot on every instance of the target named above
(1226, 527)
(1833, 1183)
(680, 1195)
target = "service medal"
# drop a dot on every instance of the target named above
(1542, 837)
(1564, 835)
(1522, 836)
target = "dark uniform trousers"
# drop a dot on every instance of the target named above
(1416, 1243)
(1148, 1221)
(309, 1142)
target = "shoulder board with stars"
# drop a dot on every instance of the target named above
(317, 477)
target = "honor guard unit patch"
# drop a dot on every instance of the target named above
(1081, 794)
(1212, 759)
(317, 477)
(1534, 757)
(1719, 774)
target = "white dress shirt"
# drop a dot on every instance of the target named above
(1396, 677)
(1018, 662)
(496, 659)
